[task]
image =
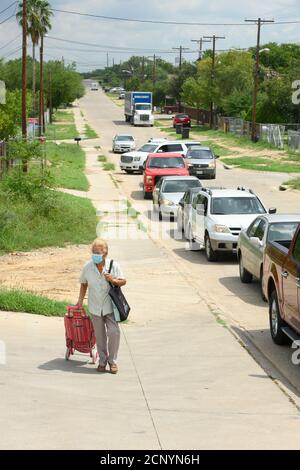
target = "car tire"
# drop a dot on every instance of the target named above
(245, 276)
(147, 195)
(213, 177)
(209, 252)
(276, 322)
(160, 216)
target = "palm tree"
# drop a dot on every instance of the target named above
(33, 30)
(45, 13)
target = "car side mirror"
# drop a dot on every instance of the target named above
(272, 210)
(217, 156)
(256, 241)
(181, 203)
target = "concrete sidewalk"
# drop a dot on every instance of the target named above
(184, 381)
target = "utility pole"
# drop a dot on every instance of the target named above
(107, 60)
(213, 38)
(50, 96)
(200, 42)
(41, 107)
(180, 49)
(143, 68)
(154, 71)
(259, 23)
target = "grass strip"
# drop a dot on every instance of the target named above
(263, 164)
(27, 225)
(18, 300)
(67, 165)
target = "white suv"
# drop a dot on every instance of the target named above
(217, 217)
(134, 161)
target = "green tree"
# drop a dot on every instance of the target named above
(192, 94)
(10, 114)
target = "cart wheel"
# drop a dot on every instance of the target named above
(68, 353)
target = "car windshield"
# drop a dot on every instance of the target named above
(282, 231)
(166, 162)
(124, 137)
(200, 154)
(236, 205)
(180, 186)
(148, 148)
(143, 107)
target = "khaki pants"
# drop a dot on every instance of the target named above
(107, 333)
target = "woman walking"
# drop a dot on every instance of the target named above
(95, 277)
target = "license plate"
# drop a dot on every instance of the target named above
(199, 172)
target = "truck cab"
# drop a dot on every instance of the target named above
(143, 114)
(281, 284)
(138, 108)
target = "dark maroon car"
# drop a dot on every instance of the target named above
(183, 119)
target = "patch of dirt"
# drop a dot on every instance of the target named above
(53, 272)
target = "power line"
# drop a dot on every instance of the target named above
(135, 20)
(11, 53)
(8, 18)
(180, 23)
(10, 42)
(113, 48)
(9, 6)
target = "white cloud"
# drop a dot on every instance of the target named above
(152, 36)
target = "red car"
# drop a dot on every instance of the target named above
(158, 165)
(183, 119)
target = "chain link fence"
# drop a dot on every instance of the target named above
(273, 134)
(294, 141)
(9, 160)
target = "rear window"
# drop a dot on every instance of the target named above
(200, 154)
(180, 186)
(181, 116)
(167, 162)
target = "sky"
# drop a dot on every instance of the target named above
(115, 37)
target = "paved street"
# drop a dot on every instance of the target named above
(185, 380)
(241, 304)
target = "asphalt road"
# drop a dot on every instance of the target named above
(218, 283)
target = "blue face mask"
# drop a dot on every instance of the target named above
(97, 259)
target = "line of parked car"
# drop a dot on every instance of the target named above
(220, 220)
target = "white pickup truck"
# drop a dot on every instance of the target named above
(134, 161)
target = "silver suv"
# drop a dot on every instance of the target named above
(201, 162)
(217, 217)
